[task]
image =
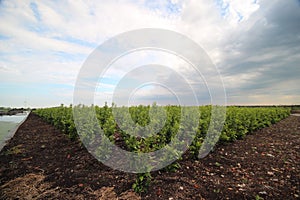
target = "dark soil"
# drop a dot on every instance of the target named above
(40, 162)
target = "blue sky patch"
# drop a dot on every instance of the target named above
(65, 56)
(76, 41)
(223, 7)
(4, 37)
(166, 7)
(35, 10)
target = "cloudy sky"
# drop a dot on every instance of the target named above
(255, 45)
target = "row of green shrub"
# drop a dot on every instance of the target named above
(165, 123)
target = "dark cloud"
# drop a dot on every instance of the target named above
(270, 47)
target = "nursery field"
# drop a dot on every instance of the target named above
(257, 155)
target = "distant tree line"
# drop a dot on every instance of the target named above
(11, 111)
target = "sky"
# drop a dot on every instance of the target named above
(254, 44)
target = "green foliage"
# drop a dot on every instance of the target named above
(242, 120)
(239, 122)
(142, 182)
(165, 124)
(257, 197)
(61, 117)
(172, 167)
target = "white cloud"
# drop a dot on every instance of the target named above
(49, 44)
(239, 11)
